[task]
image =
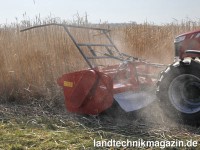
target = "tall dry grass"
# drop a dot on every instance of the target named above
(32, 61)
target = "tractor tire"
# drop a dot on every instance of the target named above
(178, 90)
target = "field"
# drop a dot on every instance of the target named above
(32, 113)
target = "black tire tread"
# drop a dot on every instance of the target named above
(186, 65)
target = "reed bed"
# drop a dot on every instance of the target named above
(32, 61)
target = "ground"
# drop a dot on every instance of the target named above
(39, 125)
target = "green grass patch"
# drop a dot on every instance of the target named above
(43, 135)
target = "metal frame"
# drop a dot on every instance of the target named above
(109, 54)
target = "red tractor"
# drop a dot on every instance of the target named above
(130, 81)
(179, 85)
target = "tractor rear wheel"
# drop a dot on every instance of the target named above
(178, 90)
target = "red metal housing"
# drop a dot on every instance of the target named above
(91, 91)
(87, 92)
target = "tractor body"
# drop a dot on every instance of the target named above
(178, 88)
(185, 43)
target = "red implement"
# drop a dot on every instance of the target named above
(87, 92)
(93, 90)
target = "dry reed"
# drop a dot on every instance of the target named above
(32, 61)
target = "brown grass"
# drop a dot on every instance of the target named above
(32, 61)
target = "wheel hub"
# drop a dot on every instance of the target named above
(184, 93)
